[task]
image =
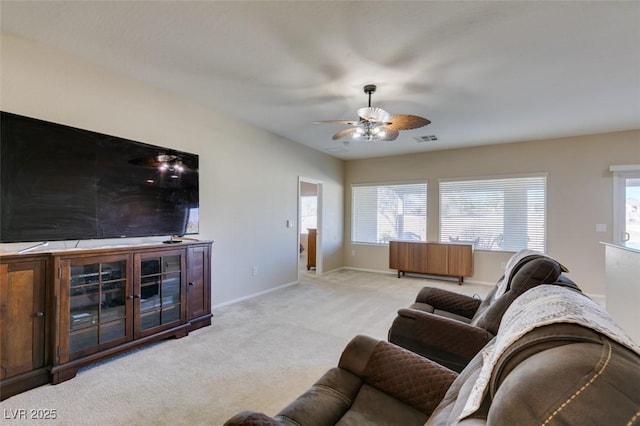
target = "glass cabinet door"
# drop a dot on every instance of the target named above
(97, 297)
(161, 288)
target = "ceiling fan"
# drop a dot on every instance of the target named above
(376, 124)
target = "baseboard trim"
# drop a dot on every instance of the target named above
(333, 270)
(377, 271)
(251, 296)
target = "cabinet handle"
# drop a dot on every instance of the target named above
(190, 283)
(39, 314)
(137, 296)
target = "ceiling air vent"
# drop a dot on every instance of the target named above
(428, 138)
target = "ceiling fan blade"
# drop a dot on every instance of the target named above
(343, 134)
(346, 122)
(406, 122)
(374, 114)
(390, 134)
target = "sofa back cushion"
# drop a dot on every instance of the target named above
(533, 271)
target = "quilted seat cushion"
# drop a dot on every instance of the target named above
(399, 373)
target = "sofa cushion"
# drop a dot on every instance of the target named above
(533, 271)
(372, 406)
(561, 373)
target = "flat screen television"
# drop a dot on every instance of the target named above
(63, 183)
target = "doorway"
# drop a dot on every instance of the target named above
(626, 204)
(309, 227)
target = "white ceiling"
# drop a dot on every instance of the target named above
(483, 72)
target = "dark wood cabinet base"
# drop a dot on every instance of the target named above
(63, 310)
(69, 369)
(23, 382)
(197, 323)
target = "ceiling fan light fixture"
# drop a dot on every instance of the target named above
(367, 131)
(376, 124)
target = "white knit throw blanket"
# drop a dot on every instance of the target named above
(542, 305)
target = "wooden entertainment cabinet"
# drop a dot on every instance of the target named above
(62, 310)
(455, 260)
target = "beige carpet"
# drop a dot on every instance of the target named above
(258, 354)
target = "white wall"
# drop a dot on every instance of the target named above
(248, 177)
(579, 196)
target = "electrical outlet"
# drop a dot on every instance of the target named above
(353, 252)
(254, 271)
(503, 265)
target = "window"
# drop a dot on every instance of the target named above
(498, 214)
(626, 204)
(381, 213)
(308, 213)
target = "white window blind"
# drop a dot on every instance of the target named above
(380, 213)
(499, 214)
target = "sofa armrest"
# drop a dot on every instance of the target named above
(449, 301)
(252, 418)
(573, 375)
(422, 332)
(324, 403)
(408, 377)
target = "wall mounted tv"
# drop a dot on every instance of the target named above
(62, 183)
